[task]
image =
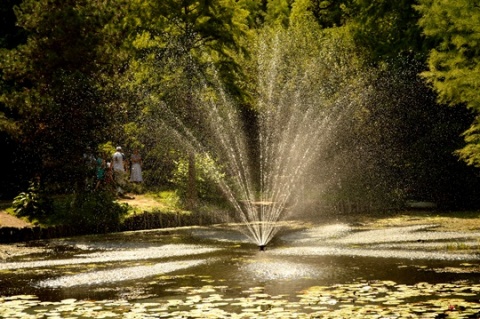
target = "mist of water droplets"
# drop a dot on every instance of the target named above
(302, 100)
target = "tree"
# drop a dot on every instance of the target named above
(53, 83)
(278, 12)
(454, 64)
(180, 45)
(330, 13)
(386, 28)
(12, 168)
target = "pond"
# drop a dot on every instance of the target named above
(327, 271)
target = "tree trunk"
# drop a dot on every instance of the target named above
(192, 196)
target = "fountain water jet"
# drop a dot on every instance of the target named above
(305, 93)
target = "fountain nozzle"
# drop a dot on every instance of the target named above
(261, 247)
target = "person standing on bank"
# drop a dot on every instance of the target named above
(101, 169)
(136, 169)
(119, 171)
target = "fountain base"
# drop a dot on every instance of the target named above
(261, 247)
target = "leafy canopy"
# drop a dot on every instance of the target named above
(454, 64)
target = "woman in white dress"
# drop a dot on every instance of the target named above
(136, 171)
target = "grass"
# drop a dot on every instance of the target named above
(160, 202)
(7, 207)
(164, 202)
(167, 201)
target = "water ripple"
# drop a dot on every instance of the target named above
(172, 250)
(118, 274)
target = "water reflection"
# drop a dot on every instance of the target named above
(118, 274)
(166, 251)
(158, 263)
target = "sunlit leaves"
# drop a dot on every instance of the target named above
(386, 28)
(470, 153)
(278, 12)
(454, 65)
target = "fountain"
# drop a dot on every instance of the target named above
(304, 96)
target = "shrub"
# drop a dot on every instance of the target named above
(96, 212)
(33, 203)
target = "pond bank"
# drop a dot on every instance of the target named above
(142, 221)
(148, 214)
(15, 233)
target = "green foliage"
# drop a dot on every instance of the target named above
(329, 13)
(207, 175)
(78, 75)
(107, 148)
(278, 12)
(33, 203)
(168, 200)
(194, 36)
(55, 90)
(386, 28)
(180, 46)
(96, 212)
(132, 132)
(454, 64)
(470, 153)
(10, 36)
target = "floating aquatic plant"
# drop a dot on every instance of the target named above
(382, 299)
